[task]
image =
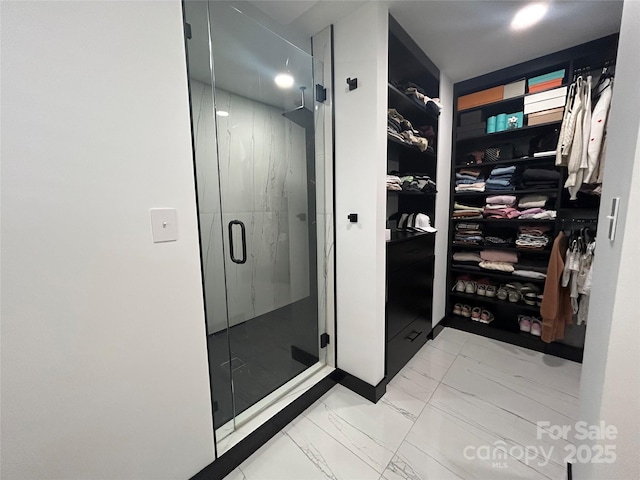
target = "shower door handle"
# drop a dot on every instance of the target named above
(244, 242)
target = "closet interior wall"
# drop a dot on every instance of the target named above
(410, 245)
(572, 215)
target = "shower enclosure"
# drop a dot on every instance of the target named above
(265, 226)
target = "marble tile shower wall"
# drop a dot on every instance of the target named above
(262, 168)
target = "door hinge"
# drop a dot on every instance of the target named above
(321, 93)
(324, 340)
(187, 30)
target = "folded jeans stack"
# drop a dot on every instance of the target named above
(468, 234)
(502, 179)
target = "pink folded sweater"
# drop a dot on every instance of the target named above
(499, 256)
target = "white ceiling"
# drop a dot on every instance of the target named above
(467, 38)
(464, 38)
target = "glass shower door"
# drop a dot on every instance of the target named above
(255, 137)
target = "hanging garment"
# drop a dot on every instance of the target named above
(567, 129)
(574, 150)
(556, 304)
(596, 143)
(584, 283)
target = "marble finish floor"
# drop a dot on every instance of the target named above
(465, 407)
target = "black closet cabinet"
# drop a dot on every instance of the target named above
(587, 58)
(410, 254)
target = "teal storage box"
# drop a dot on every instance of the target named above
(546, 77)
(491, 124)
(501, 122)
(515, 120)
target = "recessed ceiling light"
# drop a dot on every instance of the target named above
(529, 15)
(222, 113)
(284, 80)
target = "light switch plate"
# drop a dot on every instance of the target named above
(164, 224)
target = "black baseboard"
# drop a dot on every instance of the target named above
(362, 388)
(305, 358)
(437, 329)
(569, 473)
(240, 452)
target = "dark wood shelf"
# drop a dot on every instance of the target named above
(399, 236)
(470, 298)
(508, 192)
(510, 248)
(408, 146)
(495, 274)
(413, 194)
(501, 220)
(513, 161)
(410, 109)
(514, 132)
(514, 337)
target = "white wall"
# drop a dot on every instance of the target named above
(610, 383)
(104, 362)
(443, 185)
(361, 51)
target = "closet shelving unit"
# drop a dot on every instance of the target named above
(410, 255)
(505, 327)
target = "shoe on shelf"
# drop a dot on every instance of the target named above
(470, 288)
(536, 327)
(539, 300)
(486, 316)
(502, 293)
(466, 311)
(491, 291)
(459, 286)
(481, 289)
(529, 293)
(475, 314)
(525, 323)
(457, 309)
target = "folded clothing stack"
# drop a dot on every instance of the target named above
(469, 180)
(533, 237)
(538, 214)
(466, 211)
(401, 129)
(533, 201)
(500, 206)
(497, 241)
(502, 179)
(393, 182)
(531, 268)
(417, 183)
(540, 178)
(468, 234)
(419, 96)
(498, 260)
(468, 260)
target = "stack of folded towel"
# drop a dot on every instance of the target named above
(538, 214)
(540, 178)
(502, 178)
(498, 260)
(500, 206)
(466, 211)
(468, 233)
(393, 182)
(533, 237)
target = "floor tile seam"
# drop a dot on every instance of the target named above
(512, 389)
(433, 458)
(317, 465)
(525, 378)
(347, 446)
